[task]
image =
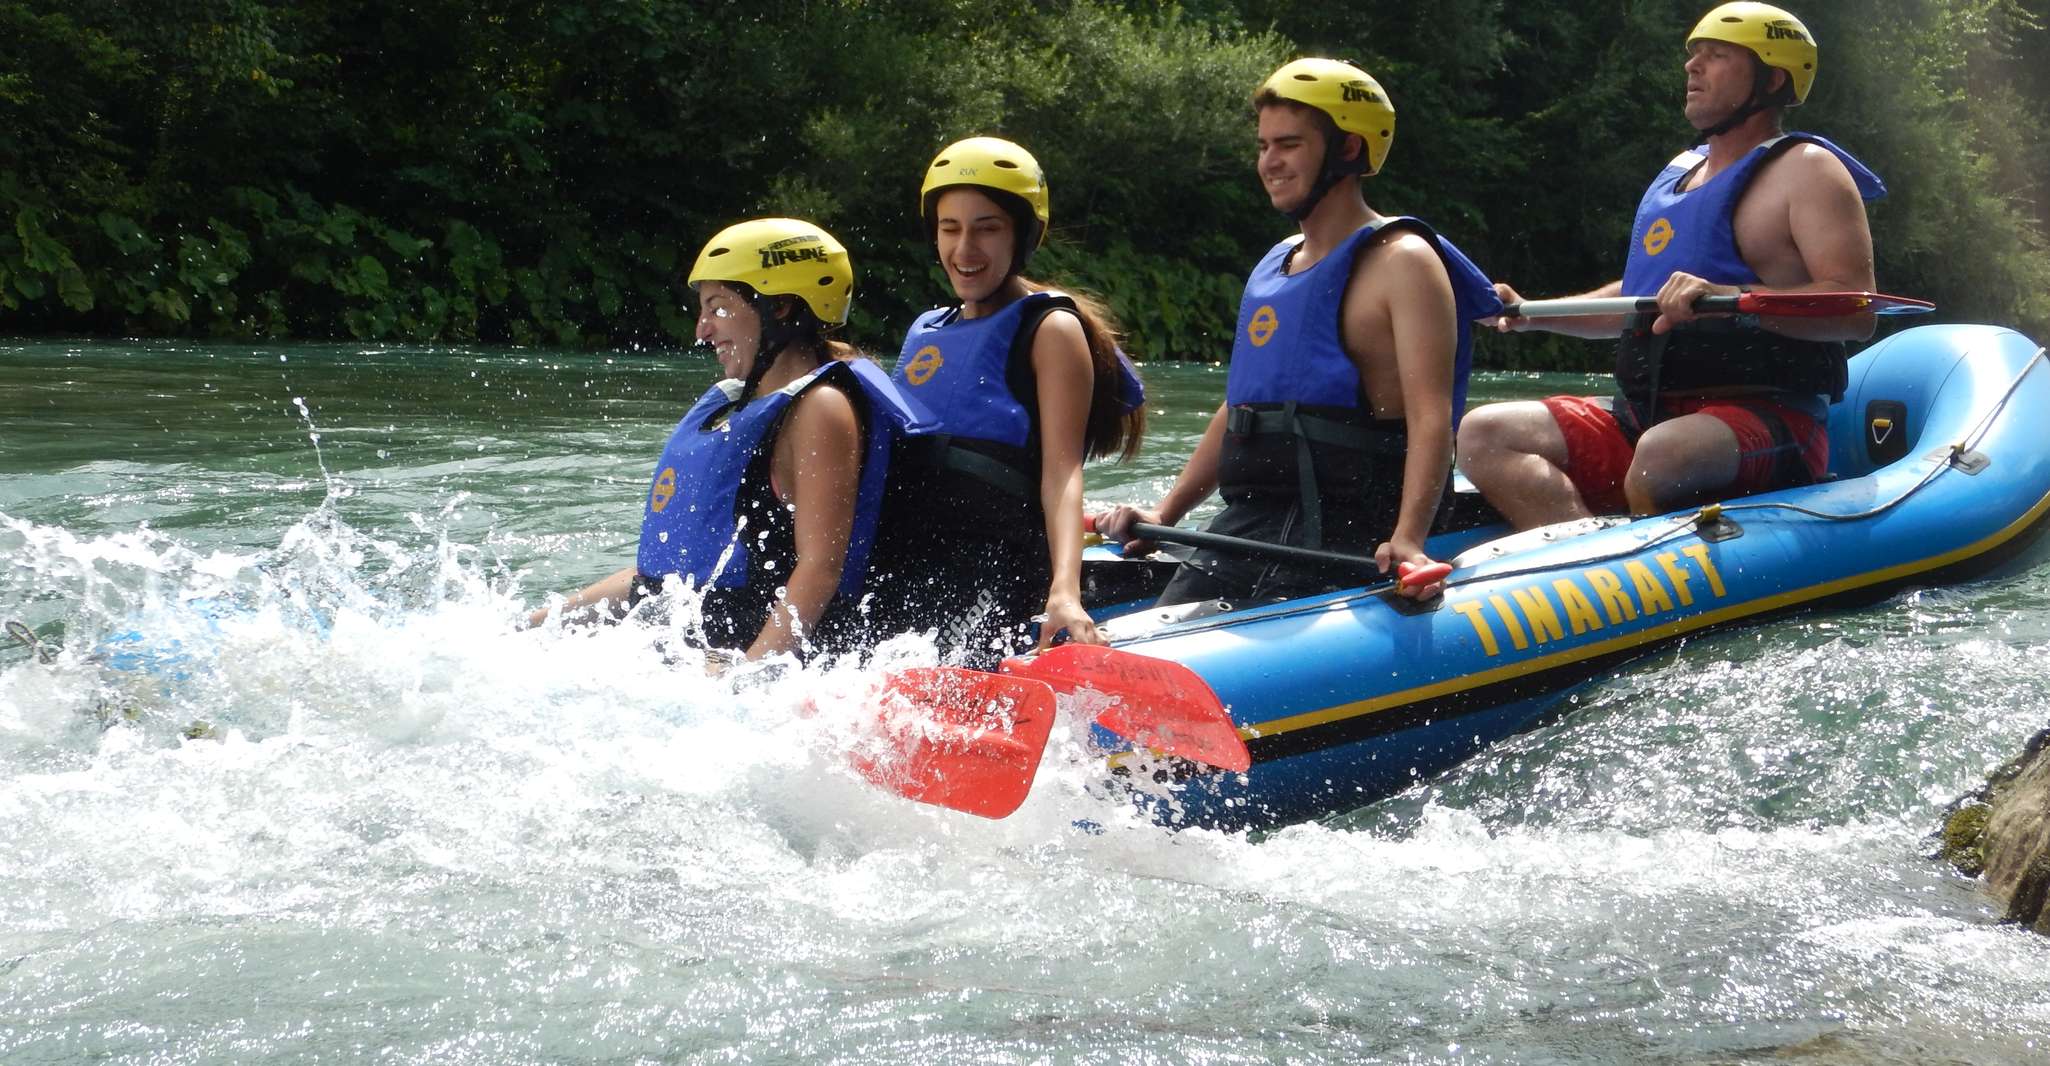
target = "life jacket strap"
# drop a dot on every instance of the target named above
(1255, 420)
(1378, 438)
(939, 451)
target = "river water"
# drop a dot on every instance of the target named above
(353, 816)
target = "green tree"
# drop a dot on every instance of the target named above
(506, 170)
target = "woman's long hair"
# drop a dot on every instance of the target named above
(1111, 430)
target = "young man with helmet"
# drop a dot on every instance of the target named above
(1348, 367)
(984, 526)
(766, 499)
(1706, 407)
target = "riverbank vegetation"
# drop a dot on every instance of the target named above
(509, 171)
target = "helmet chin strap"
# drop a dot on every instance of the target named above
(1736, 118)
(1335, 168)
(1761, 77)
(1025, 229)
(1322, 186)
(776, 335)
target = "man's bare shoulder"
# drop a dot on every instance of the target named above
(1402, 251)
(1808, 168)
(1403, 259)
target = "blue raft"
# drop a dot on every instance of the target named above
(1940, 472)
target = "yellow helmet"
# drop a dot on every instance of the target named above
(990, 163)
(782, 257)
(1776, 37)
(1353, 99)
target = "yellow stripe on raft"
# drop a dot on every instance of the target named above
(1617, 605)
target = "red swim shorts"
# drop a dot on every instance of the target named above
(1598, 453)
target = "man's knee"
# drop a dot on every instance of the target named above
(1499, 431)
(1679, 462)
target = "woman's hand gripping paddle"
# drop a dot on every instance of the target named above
(958, 738)
(1161, 704)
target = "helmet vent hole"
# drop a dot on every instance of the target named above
(826, 279)
(717, 251)
(1007, 164)
(1733, 19)
(938, 163)
(1306, 77)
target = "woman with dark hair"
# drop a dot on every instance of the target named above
(766, 500)
(984, 522)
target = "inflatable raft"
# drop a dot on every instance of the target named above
(1940, 472)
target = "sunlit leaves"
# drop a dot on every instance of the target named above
(497, 170)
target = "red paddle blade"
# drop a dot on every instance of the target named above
(1826, 304)
(959, 738)
(1161, 704)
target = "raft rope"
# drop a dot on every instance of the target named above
(1951, 458)
(1709, 514)
(1689, 523)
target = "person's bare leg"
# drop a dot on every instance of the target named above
(1689, 460)
(1515, 454)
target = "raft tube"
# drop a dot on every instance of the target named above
(1939, 472)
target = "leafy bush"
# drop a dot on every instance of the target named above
(542, 174)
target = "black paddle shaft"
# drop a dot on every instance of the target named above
(1355, 564)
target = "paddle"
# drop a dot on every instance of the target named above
(1162, 704)
(958, 738)
(1778, 304)
(1358, 565)
(971, 741)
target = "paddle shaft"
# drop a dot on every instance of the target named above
(1356, 564)
(1779, 304)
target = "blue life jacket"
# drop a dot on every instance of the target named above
(1288, 347)
(1694, 232)
(960, 370)
(1299, 432)
(711, 516)
(975, 375)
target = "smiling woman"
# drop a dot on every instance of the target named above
(1026, 383)
(766, 498)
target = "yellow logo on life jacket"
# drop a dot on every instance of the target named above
(1261, 329)
(1657, 237)
(664, 490)
(923, 365)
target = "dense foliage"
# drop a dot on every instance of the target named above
(513, 170)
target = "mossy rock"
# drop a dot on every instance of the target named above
(2002, 833)
(1964, 836)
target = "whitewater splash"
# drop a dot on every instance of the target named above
(409, 832)
(408, 648)
(400, 800)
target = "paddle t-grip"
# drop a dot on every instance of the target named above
(1414, 576)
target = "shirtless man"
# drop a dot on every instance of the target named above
(1707, 407)
(1348, 367)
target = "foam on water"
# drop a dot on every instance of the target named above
(487, 845)
(333, 806)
